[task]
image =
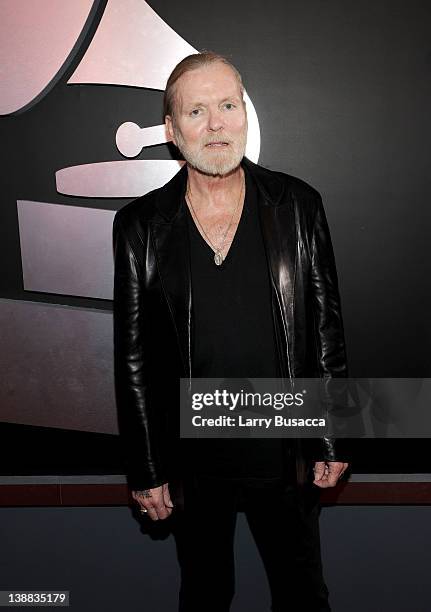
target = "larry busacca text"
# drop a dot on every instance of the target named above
(261, 422)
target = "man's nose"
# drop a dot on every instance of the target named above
(215, 122)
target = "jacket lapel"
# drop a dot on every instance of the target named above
(277, 218)
(171, 244)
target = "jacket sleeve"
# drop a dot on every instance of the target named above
(136, 419)
(329, 331)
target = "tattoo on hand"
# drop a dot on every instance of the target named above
(144, 492)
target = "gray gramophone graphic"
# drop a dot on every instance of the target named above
(67, 249)
(132, 47)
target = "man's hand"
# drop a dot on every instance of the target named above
(157, 502)
(327, 473)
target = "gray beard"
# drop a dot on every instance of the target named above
(222, 163)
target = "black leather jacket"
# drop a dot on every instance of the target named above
(153, 322)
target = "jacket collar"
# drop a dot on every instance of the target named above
(170, 195)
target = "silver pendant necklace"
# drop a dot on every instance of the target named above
(218, 258)
(218, 254)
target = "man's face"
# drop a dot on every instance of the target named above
(210, 123)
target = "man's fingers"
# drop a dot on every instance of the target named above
(333, 476)
(329, 474)
(332, 479)
(168, 502)
(167, 496)
(145, 505)
(337, 468)
(151, 512)
(319, 470)
(162, 510)
(152, 503)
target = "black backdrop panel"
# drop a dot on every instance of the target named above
(342, 92)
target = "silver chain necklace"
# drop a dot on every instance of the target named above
(218, 256)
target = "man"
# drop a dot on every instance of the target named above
(225, 271)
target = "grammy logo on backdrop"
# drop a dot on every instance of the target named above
(132, 47)
(66, 248)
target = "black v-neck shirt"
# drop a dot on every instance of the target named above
(234, 336)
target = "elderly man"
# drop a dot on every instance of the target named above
(226, 271)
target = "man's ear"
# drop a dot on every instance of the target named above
(170, 128)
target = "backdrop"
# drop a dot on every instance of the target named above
(339, 95)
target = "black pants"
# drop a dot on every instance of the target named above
(285, 531)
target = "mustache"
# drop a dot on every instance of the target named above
(225, 140)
